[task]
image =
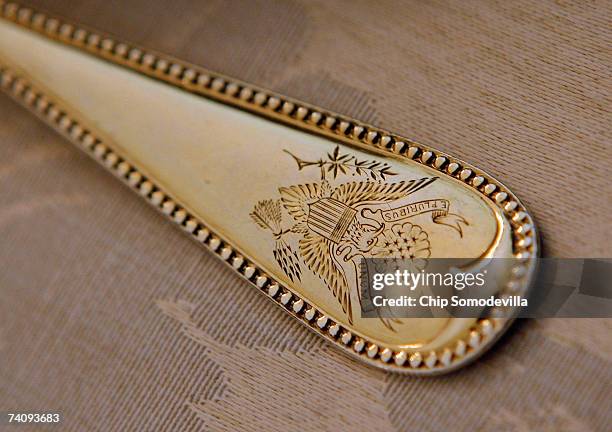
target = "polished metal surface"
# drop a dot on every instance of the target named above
(292, 204)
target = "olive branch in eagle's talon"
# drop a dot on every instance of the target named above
(268, 215)
(337, 163)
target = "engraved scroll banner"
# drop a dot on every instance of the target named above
(439, 209)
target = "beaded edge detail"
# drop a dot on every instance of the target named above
(295, 113)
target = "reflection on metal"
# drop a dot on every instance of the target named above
(291, 209)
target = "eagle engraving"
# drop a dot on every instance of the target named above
(333, 227)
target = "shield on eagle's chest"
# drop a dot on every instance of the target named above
(330, 218)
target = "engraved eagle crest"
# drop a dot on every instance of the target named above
(337, 225)
(332, 227)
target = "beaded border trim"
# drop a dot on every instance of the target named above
(294, 113)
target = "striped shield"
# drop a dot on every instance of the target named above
(330, 218)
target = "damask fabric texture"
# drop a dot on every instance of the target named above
(110, 315)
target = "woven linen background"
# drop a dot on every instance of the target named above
(111, 315)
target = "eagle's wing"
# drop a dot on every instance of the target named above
(317, 255)
(296, 198)
(362, 192)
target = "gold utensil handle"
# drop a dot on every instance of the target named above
(291, 204)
